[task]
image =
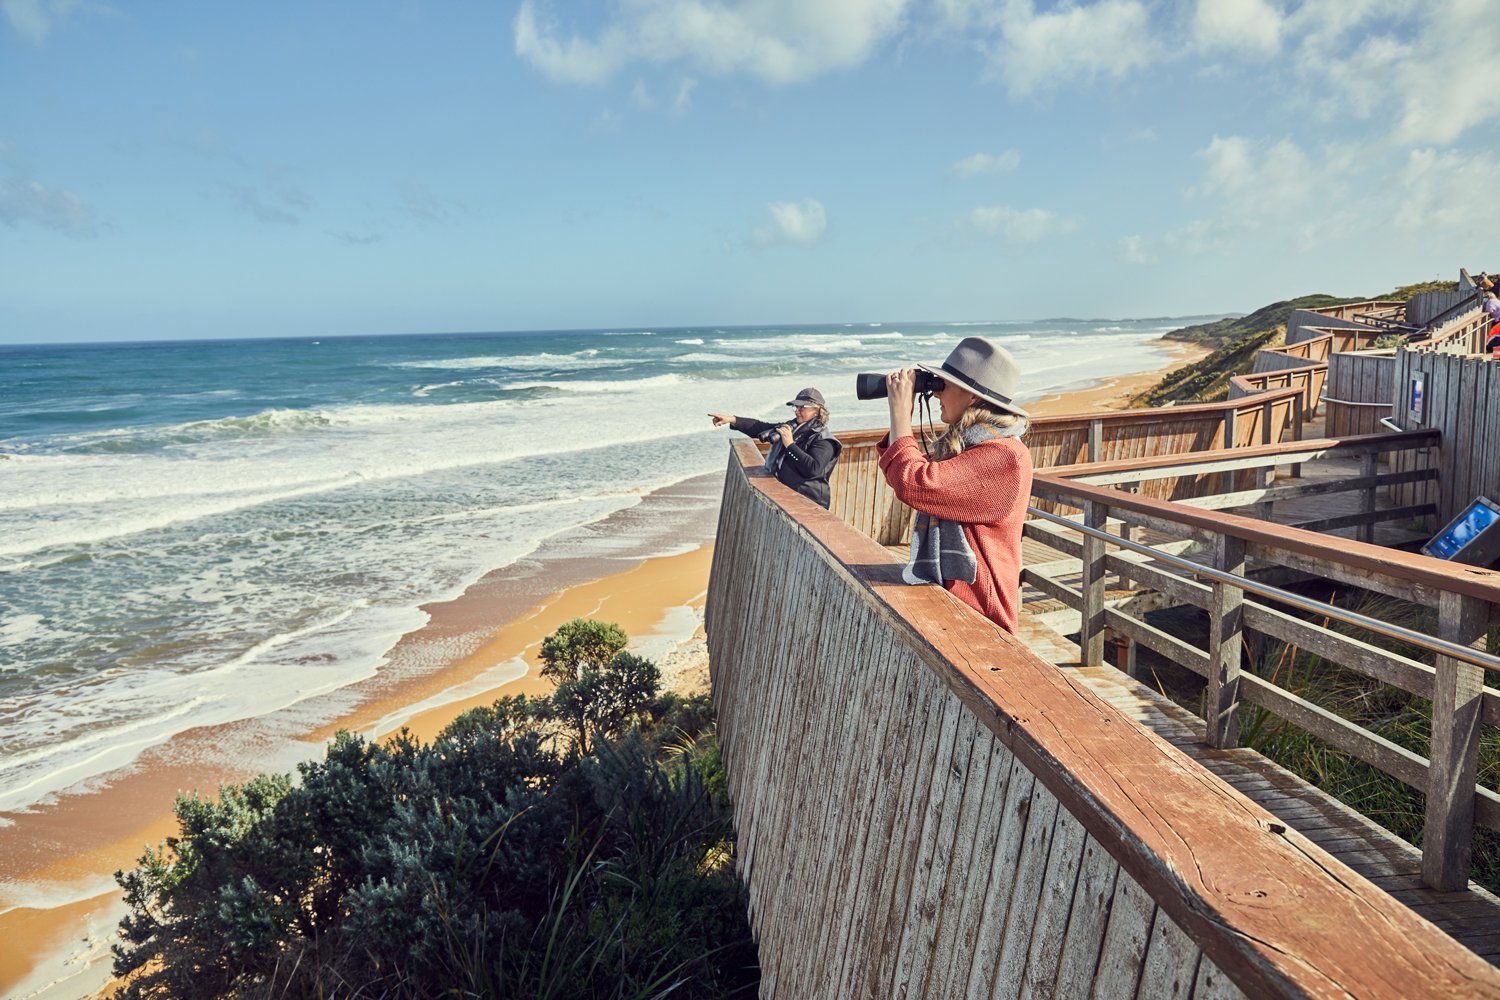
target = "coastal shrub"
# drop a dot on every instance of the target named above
(507, 857)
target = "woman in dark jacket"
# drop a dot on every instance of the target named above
(803, 450)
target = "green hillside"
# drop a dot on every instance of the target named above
(1237, 339)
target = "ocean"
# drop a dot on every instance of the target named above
(193, 533)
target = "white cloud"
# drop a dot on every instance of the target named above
(778, 41)
(1017, 225)
(1133, 249)
(34, 20)
(1448, 192)
(1410, 64)
(640, 97)
(987, 163)
(792, 222)
(576, 61)
(1039, 52)
(30, 201)
(1202, 236)
(1258, 185)
(1252, 25)
(684, 99)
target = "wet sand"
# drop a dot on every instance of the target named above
(58, 901)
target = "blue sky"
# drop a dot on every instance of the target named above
(326, 168)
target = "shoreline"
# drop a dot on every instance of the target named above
(474, 648)
(64, 851)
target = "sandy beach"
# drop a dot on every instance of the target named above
(58, 902)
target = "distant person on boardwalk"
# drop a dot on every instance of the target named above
(1492, 309)
(803, 449)
(970, 494)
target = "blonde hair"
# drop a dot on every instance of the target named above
(952, 440)
(821, 417)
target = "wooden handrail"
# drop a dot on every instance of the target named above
(1424, 575)
(846, 722)
(1286, 452)
(1467, 599)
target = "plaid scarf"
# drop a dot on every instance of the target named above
(939, 550)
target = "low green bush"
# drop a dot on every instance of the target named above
(573, 846)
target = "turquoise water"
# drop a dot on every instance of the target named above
(192, 533)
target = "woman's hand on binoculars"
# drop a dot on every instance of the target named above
(785, 431)
(720, 419)
(900, 392)
(901, 389)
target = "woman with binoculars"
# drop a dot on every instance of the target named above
(970, 493)
(803, 450)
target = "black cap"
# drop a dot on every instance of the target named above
(807, 397)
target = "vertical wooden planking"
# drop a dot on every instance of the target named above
(1093, 900)
(958, 880)
(1091, 634)
(1432, 410)
(1026, 890)
(882, 773)
(951, 979)
(1226, 616)
(1471, 475)
(1054, 908)
(1018, 802)
(1124, 942)
(1480, 432)
(1170, 968)
(925, 896)
(871, 719)
(909, 771)
(1452, 408)
(1212, 984)
(1491, 459)
(824, 839)
(896, 897)
(1448, 831)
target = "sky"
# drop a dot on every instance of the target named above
(332, 168)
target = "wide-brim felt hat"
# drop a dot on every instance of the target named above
(984, 368)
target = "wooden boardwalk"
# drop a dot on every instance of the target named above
(1471, 917)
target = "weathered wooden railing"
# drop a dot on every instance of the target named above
(1358, 391)
(860, 494)
(1459, 396)
(1308, 378)
(926, 809)
(1465, 333)
(1246, 477)
(1233, 546)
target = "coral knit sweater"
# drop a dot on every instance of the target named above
(985, 488)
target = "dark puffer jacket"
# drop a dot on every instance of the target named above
(807, 462)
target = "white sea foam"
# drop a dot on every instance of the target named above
(597, 386)
(230, 566)
(693, 341)
(584, 358)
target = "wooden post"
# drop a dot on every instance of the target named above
(1091, 628)
(1125, 532)
(1226, 481)
(1265, 422)
(1226, 618)
(1448, 833)
(1368, 467)
(1096, 439)
(1297, 424)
